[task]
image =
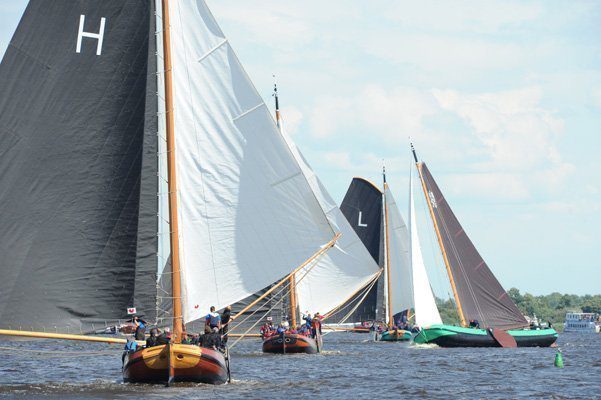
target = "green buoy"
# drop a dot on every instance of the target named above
(558, 359)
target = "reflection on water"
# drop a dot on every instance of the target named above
(351, 366)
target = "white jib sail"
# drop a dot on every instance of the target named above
(426, 312)
(246, 212)
(344, 269)
(400, 268)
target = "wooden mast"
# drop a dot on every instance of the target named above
(292, 278)
(293, 301)
(172, 183)
(387, 261)
(439, 236)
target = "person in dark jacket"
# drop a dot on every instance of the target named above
(164, 337)
(153, 338)
(225, 319)
(212, 340)
(140, 325)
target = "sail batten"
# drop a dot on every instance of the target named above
(481, 295)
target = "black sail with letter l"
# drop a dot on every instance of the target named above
(481, 295)
(362, 207)
(78, 165)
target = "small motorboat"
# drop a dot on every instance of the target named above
(175, 363)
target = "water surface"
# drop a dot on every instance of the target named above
(352, 366)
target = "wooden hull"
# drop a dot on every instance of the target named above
(398, 335)
(190, 364)
(290, 343)
(454, 336)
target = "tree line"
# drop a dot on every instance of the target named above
(551, 307)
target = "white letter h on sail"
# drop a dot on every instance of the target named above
(98, 36)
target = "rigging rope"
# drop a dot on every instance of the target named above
(285, 286)
(365, 292)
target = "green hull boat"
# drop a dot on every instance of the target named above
(455, 336)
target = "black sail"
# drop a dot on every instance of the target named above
(362, 207)
(481, 295)
(78, 165)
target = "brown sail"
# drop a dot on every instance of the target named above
(481, 295)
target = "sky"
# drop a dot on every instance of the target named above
(501, 98)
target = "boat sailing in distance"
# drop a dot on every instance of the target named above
(156, 160)
(411, 283)
(375, 217)
(494, 319)
(326, 285)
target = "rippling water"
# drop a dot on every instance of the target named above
(351, 366)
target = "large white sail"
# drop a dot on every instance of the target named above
(400, 268)
(426, 312)
(247, 213)
(346, 268)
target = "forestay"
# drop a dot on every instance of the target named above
(426, 312)
(247, 213)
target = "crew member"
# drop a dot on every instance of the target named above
(165, 337)
(213, 319)
(152, 339)
(140, 325)
(225, 319)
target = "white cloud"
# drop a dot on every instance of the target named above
(493, 186)
(516, 130)
(392, 115)
(467, 16)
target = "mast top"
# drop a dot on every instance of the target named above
(413, 151)
(275, 93)
(384, 172)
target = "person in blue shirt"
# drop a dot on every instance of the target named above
(130, 347)
(308, 320)
(213, 319)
